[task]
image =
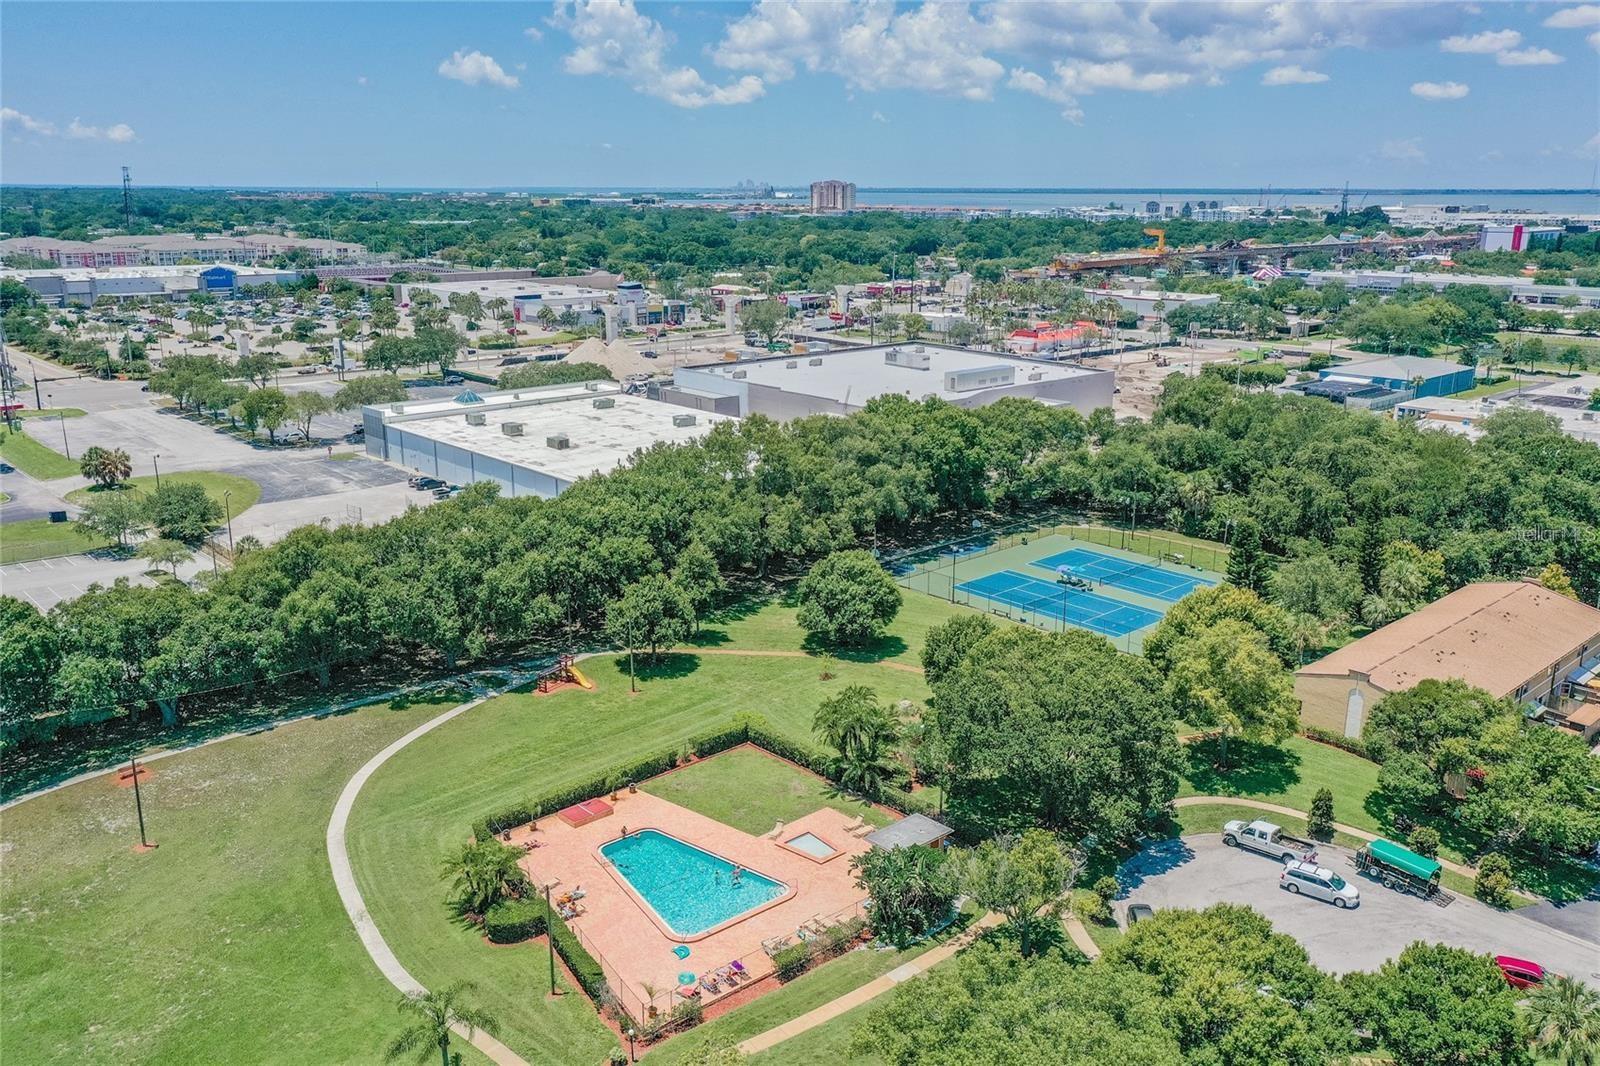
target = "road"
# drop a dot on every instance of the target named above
(1200, 870)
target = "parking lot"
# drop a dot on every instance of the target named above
(1198, 871)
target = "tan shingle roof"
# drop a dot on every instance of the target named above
(1494, 635)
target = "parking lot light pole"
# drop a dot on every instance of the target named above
(156, 459)
(227, 512)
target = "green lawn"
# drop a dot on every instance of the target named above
(753, 791)
(772, 626)
(804, 993)
(32, 458)
(1494, 389)
(40, 538)
(421, 803)
(52, 412)
(243, 493)
(227, 943)
(828, 1043)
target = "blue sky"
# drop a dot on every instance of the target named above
(609, 94)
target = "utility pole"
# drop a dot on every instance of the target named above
(127, 199)
(138, 801)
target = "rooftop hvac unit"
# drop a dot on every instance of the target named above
(559, 441)
(916, 358)
(592, 386)
(511, 429)
(1036, 376)
(813, 362)
(475, 418)
(791, 364)
(602, 402)
(741, 374)
(681, 421)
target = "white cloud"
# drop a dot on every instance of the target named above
(615, 40)
(119, 133)
(1440, 90)
(1293, 74)
(475, 68)
(1058, 51)
(1485, 43)
(1594, 40)
(878, 116)
(1493, 155)
(361, 79)
(533, 33)
(1575, 18)
(10, 116)
(1589, 149)
(1406, 150)
(1529, 57)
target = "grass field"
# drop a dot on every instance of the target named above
(752, 791)
(228, 942)
(52, 412)
(40, 538)
(32, 458)
(421, 803)
(243, 492)
(808, 991)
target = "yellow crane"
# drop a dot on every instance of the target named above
(1161, 239)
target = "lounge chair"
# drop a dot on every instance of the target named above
(738, 967)
(854, 824)
(773, 835)
(709, 983)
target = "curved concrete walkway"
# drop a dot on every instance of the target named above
(1278, 808)
(344, 879)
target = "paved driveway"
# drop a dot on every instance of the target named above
(46, 582)
(28, 498)
(1198, 871)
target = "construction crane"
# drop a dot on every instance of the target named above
(1161, 240)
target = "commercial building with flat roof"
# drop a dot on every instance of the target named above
(1520, 290)
(530, 442)
(1381, 384)
(843, 381)
(1510, 638)
(1567, 401)
(58, 288)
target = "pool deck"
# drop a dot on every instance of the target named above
(628, 942)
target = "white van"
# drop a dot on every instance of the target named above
(1318, 882)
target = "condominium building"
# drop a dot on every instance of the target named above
(833, 195)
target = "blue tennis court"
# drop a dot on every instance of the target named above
(1086, 610)
(1145, 579)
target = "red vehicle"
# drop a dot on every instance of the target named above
(1520, 973)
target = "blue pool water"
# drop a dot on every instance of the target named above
(691, 890)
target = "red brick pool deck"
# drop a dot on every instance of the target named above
(628, 942)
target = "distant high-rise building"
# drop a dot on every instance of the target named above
(833, 196)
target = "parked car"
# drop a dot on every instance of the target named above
(421, 481)
(1138, 912)
(1318, 882)
(1268, 839)
(513, 360)
(453, 379)
(650, 353)
(1520, 973)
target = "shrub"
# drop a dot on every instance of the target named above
(1093, 908)
(792, 961)
(1424, 840)
(1354, 745)
(1319, 823)
(515, 920)
(688, 1013)
(1493, 884)
(1107, 888)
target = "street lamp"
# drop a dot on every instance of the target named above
(156, 459)
(631, 1056)
(227, 512)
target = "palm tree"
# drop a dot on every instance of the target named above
(863, 733)
(1564, 1014)
(435, 1013)
(483, 874)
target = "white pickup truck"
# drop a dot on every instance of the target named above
(1268, 839)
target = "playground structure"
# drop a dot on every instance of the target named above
(563, 671)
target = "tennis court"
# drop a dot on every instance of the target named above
(1086, 610)
(1145, 578)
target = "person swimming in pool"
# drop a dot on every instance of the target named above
(738, 871)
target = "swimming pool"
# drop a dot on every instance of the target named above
(812, 845)
(690, 889)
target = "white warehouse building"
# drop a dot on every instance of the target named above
(530, 442)
(841, 382)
